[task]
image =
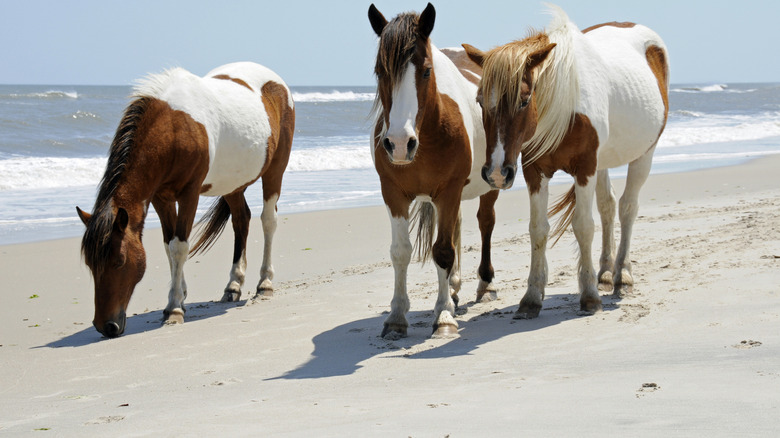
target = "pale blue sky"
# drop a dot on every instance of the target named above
(330, 42)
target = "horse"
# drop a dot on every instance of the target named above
(183, 136)
(582, 102)
(428, 147)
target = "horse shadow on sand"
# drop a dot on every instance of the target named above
(140, 323)
(341, 350)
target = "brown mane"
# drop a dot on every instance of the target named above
(95, 245)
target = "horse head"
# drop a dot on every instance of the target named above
(509, 110)
(114, 254)
(406, 82)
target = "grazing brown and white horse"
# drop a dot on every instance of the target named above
(429, 147)
(183, 136)
(582, 102)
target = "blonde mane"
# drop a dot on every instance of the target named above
(556, 84)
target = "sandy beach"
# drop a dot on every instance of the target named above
(693, 351)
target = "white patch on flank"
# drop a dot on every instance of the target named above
(234, 117)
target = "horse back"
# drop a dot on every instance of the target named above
(255, 118)
(635, 77)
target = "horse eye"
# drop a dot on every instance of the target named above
(525, 103)
(427, 73)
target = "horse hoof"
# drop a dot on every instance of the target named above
(605, 277)
(444, 331)
(623, 290)
(486, 296)
(264, 293)
(175, 316)
(230, 296)
(527, 311)
(590, 305)
(393, 332)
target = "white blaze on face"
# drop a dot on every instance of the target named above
(497, 163)
(403, 113)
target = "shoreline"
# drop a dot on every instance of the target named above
(154, 224)
(693, 348)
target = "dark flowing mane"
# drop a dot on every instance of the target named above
(396, 47)
(95, 246)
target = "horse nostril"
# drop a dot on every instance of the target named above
(509, 173)
(411, 144)
(485, 170)
(112, 329)
(389, 146)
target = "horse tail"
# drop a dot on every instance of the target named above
(564, 204)
(424, 218)
(217, 217)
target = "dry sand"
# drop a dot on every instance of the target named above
(694, 351)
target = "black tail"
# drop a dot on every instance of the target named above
(217, 217)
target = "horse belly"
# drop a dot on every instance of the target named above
(236, 162)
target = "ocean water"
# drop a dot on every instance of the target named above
(54, 142)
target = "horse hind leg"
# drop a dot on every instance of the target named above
(638, 171)
(486, 216)
(241, 215)
(455, 274)
(269, 220)
(605, 199)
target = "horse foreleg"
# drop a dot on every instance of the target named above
(178, 250)
(583, 227)
(177, 254)
(539, 230)
(605, 199)
(448, 209)
(269, 219)
(486, 216)
(638, 170)
(396, 324)
(240, 215)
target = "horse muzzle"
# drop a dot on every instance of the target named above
(113, 327)
(499, 178)
(400, 155)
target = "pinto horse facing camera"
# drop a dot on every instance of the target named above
(428, 149)
(581, 102)
(181, 137)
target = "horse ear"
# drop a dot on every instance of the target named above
(378, 21)
(476, 55)
(121, 220)
(425, 25)
(536, 58)
(84, 216)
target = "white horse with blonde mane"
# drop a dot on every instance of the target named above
(581, 102)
